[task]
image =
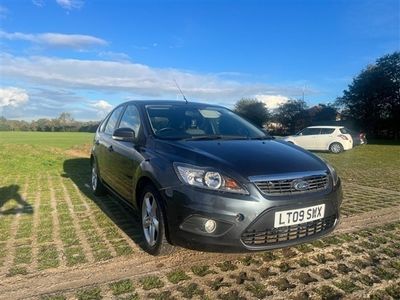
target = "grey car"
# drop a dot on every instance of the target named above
(202, 177)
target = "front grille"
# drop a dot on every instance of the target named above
(288, 186)
(288, 233)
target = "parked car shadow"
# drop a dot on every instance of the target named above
(9, 193)
(123, 215)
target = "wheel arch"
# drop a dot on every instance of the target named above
(140, 184)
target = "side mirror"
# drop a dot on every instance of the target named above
(124, 135)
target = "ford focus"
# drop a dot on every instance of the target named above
(204, 178)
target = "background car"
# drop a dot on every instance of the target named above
(328, 138)
(359, 138)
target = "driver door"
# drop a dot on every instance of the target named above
(126, 156)
(308, 138)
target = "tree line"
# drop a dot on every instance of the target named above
(65, 122)
(289, 117)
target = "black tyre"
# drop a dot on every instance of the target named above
(153, 223)
(336, 148)
(98, 187)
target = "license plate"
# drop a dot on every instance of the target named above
(298, 216)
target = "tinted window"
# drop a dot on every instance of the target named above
(310, 131)
(112, 121)
(327, 130)
(344, 131)
(131, 119)
(103, 124)
(186, 121)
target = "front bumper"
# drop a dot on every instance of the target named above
(239, 217)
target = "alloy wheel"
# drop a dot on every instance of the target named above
(94, 177)
(336, 148)
(150, 220)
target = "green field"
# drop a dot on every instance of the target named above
(49, 220)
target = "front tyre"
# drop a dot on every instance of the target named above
(98, 188)
(153, 226)
(336, 148)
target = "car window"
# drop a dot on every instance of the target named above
(344, 131)
(188, 121)
(103, 124)
(327, 130)
(310, 131)
(131, 119)
(112, 121)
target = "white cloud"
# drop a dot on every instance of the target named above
(141, 80)
(272, 101)
(13, 97)
(38, 3)
(70, 4)
(74, 41)
(102, 107)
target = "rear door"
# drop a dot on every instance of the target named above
(325, 137)
(105, 146)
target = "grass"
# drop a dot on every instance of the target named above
(121, 287)
(70, 228)
(151, 282)
(226, 266)
(258, 290)
(202, 270)
(177, 276)
(63, 140)
(190, 290)
(48, 257)
(93, 293)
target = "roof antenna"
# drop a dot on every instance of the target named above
(177, 85)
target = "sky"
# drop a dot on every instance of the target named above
(85, 57)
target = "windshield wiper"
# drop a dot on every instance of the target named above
(215, 137)
(267, 137)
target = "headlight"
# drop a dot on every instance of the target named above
(334, 175)
(208, 179)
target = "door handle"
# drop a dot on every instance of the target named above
(111, 149)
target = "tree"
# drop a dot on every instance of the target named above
(253, 110)
(373, 98)
(292, 115)
(322, 113)
(65, 121)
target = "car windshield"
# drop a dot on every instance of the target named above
(194, 122)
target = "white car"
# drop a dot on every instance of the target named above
(333, 138)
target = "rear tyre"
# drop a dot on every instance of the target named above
(336, 148)
(153, 223)
(98, 187)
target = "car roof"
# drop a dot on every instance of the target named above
(169, 102)
(325, 127)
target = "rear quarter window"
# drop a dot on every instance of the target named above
(327, 130)
(344, 131)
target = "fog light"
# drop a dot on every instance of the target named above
(210, 226)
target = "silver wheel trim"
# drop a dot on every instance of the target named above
(94, 177)
(335, 148)
(150, 220)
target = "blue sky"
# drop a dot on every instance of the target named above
(86, 56)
